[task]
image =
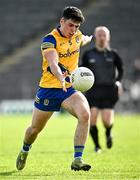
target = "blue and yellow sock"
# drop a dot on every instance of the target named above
(78, 151)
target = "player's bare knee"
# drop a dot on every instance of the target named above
(85, 116)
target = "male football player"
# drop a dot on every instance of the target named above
(102, 97)
(60, 50)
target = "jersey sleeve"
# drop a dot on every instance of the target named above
(48, 42)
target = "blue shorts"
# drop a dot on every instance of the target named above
(50, 99)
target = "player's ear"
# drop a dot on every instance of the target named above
(62, 21)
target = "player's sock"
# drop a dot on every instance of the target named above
(94, 135)
(78, 151)
(108, 130)
(26, 147)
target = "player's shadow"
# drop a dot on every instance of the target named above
(8, 173)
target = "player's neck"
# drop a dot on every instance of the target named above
(60, 30)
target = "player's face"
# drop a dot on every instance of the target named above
(69, 27)
(102, 39)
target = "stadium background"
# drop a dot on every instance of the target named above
(25, 22)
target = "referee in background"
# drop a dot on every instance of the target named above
(107, 67)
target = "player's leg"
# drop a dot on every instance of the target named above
(78, 106)
(108, 120)
(39, 120)
(93, 128)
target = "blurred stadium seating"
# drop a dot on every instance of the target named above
(22, 20)
(25, 22)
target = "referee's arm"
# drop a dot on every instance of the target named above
(84, 60)
(120, 67)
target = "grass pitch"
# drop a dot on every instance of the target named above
(51, 155)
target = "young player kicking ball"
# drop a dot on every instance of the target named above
(60, 50)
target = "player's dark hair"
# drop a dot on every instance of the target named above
(73, 13)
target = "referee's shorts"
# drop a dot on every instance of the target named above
(102, 96)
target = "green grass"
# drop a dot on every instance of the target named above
(52, 153)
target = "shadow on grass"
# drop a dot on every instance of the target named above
(8, 173)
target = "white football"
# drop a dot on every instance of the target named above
(82, 79)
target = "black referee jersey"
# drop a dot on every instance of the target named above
(104, 65)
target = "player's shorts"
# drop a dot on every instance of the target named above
(103, 96)
(50, 99)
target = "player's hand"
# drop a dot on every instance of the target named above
(120, 88)
(63, 82)
(86, 39)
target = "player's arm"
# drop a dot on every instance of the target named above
(48, 47)
(86, 39)
(52, 58)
